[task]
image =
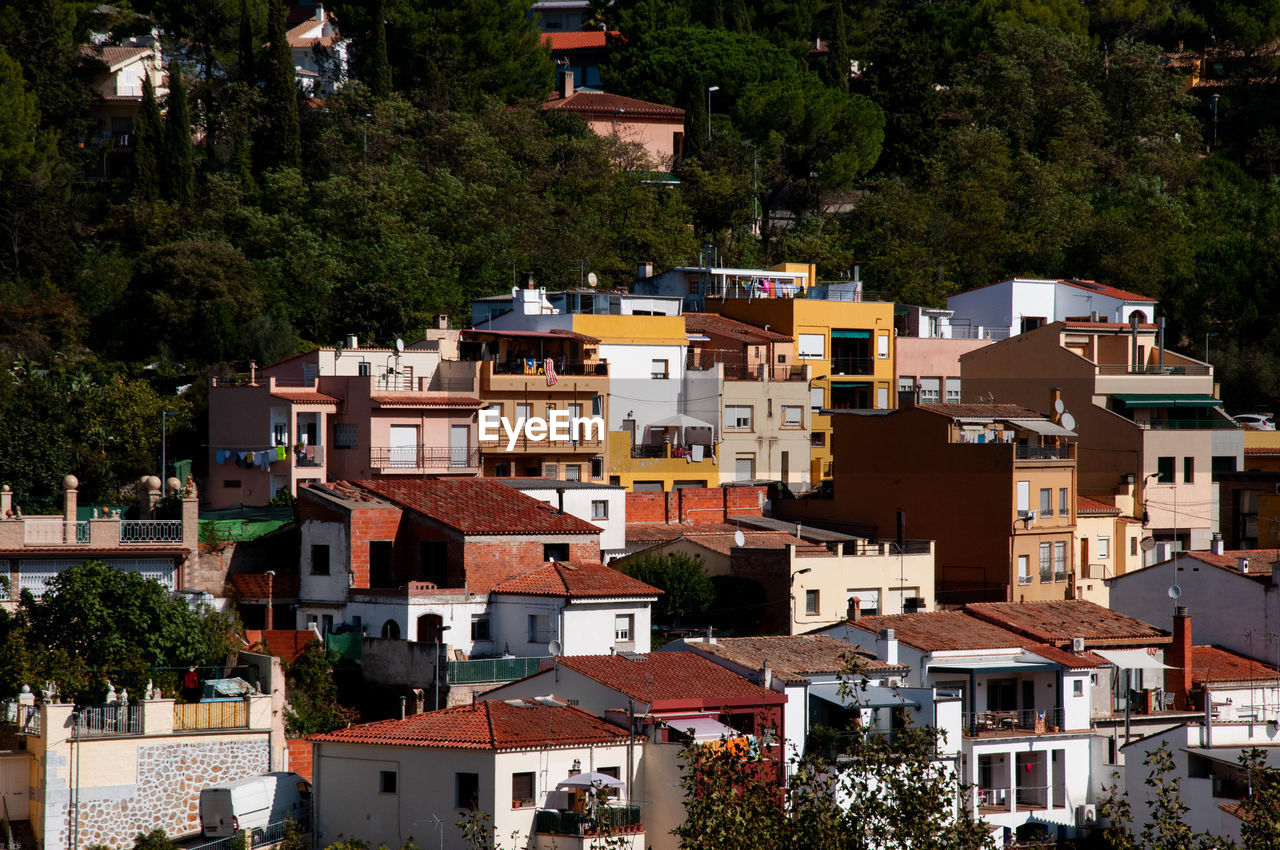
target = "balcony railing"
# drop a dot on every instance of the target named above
(423, 457)
(1188, 424)
(764, 372)
(852, 365)
(1168, 369)
(607, 819)
(536, 367)
(481, 671)
(107, 720)
(22, 719)
(220, 714)
(309, 456)
(1035, 721)
(151, 531)
(38, 531)
(1066, 452)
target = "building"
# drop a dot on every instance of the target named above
(1010, 307)
(696, 284)
(655, 128)
(1107, 545)
(994, 485)
(346, 412)
(580, 52)
(603, 505)
(555, 16)
(34, 549)
(515, 760)
(1153, 432)
(927, 358)
(118, 102)
(319, 54)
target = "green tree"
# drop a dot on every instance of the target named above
(836, 68)
(179, 167)
(118, 423)
(281, 145)
(1260, 809)
(148, 146)
(686, 588)
(313, 694)
(24, 149)
(378, 64)
(153, 840)
(731, 801)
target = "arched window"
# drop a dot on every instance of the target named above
(391, 629)
(429, 627)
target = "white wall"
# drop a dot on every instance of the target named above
(333, 587)
(589, 626)
(1002, 305)
(577, 501)
(566, 684)
(632, 387)
(1075, 751)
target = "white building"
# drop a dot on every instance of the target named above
(604, 505)
(1014, 306)
(319, 54)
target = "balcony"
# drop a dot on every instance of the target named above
(766, 372)
(106, 720)
(151, 531)
(1021, 798)
(1199, 369)
(1014, 723)
(537, 368)
(40, 531)
(409, 459)
(852, 366)
(483, 671)
(568, 829)
(1067, 452)
(215, 714)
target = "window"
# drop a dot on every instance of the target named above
(319, 559)
(817, 398)
(540, 628)
(597, 405)
(345, 436)
(817, 439)
(868, 601)
(231, 483)
(882, 398)
(1046, 501)
(599, 508)
(792, 416)
(1046, 561)
(597, 467)
(364, 369)
(523, 411)
(1024, 495)
(433, 559)
(380, 564)
(953, 390)
(386, 782)
(572, 472)
(1063, 509)
(658, 370)
(555, 551)
(1164, 468)
(468, 790)
(279, 434)
(811, 346)
(882, 346)
(624, 628)
(480, 628)
(744, 467)
(521, 790)
(551, 470)
(1221, 465)
(1104, 547)
(1024, 570)
(737, 417)
(1188, 470)
(1077, 688)
(930, 390)
(1060, 562)
(1133, 546)
(811, 601)
(906, 384)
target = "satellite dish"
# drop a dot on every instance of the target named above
(592, 280)
(739, 539)
(1058, 406)
(1148, 543)
(1174, 591)
(1068, 422)
(399, 344)
(554, 649)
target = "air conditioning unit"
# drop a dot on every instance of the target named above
(1032, 514)
(1086, 815)
(1077, 644)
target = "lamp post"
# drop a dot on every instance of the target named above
(1215, 119)
(710, 89)
(1206, 346)
(164, 437)
(440, 630)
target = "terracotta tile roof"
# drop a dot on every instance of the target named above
(577, 579)
(304, 396)
(793, 658)
(601, 104)
(1105, 326)
(1058, 621)
(1103, 289)
(679, 679)
(714, 322)
(113, 57)
(425, 400)
(1215, 665)
(982, 411)
(487, 725)
(282, 643)
(1085, 505)
(957, 631)
(82, 552)
(577, 40)
(714, 535)
(1261, 451)
(254, 585)
(297, 36)
(1260, 560)
(477, 506)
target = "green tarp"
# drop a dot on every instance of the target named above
(349, 645)
(1168, 400)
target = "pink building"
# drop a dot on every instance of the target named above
(656, 127)
(343, 412)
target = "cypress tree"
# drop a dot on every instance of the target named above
(179, 169)
(248, 72)
(379, 65)
(739, 18)
(695, 122)
(282, 143)
(716, 15)
(148, 145)
(837, 66)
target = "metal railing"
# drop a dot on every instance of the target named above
(105, 720)
(151, 531)
(1188, 424)
(531, 367)
(852, 365)
(21, 718)
(620, 819)
(1168, 369)
(1035, 721)
(1066, 452)
(423, 457)
(480, 671)
(309, 456)
(7, 841)
(38, 531)
(763, 372)
(222, 714)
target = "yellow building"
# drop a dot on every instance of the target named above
(848, 346)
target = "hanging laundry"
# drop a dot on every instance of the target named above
(549, 367)
(311, 452)
(282, 453)
(221, 456)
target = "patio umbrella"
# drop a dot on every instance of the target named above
(592, 780)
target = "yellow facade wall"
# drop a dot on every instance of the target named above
(632, 330)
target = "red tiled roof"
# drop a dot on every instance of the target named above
(1111, 291)
(304, 396)
(795, 657)
(1260, 560)
(254, 585)
(724, 543)
(287, 644)
(113, 57)
(577, 40)
(608, 105)
(952, 631)
(982, 411)
(295, 35)
(425, 400)
(578, 579)
(1213, 664)
(731, 327)
(671, 677)
(1058, 621)
(1085, 505)
(486, 725)
(718, 536)
(477, 506)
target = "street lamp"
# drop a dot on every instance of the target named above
(1215, 118)
(1206, 346)
(164, 460)
(440, 630)
(710, 89)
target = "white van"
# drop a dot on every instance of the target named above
(254, 803)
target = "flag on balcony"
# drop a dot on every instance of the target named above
(549, 367)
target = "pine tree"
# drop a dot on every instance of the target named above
(837, 65)
(148, 145)
(281, 144)
(378, 68)
(179, 170)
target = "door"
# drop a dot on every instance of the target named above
(15, 780)
(459, 445)
(404, 445)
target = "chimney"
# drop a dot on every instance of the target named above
(1178, 656)
(1164, 551)
(854, 610)
(566, 83)
(526, 280)
(253, 376)
(271, 588)
(644, 270)
(887, 646)
(1216, 546)
(353, 342)
(69, 485)
(1243, 564)
(320, 13)
(442, 321)
(6, 501)
(1055, 399)
(766, 675)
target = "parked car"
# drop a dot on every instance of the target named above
(1261, 421)
(254, 803)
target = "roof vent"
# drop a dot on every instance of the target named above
(632, 656)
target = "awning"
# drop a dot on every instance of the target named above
(704, 728)
(990, 664)
(1042, 426)
(1133, 659)
(1231, 755)
(870, 698)
(1168, 400)
(848, 334)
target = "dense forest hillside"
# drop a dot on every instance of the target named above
(940, 145)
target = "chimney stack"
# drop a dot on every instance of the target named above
(1178, 680)
(1055, 398)
(887, 646)
(1243, 564)
(644, 270)
(566, 83)
(1216, 546)
(271, 580)
(766, 675)
(854, 609)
